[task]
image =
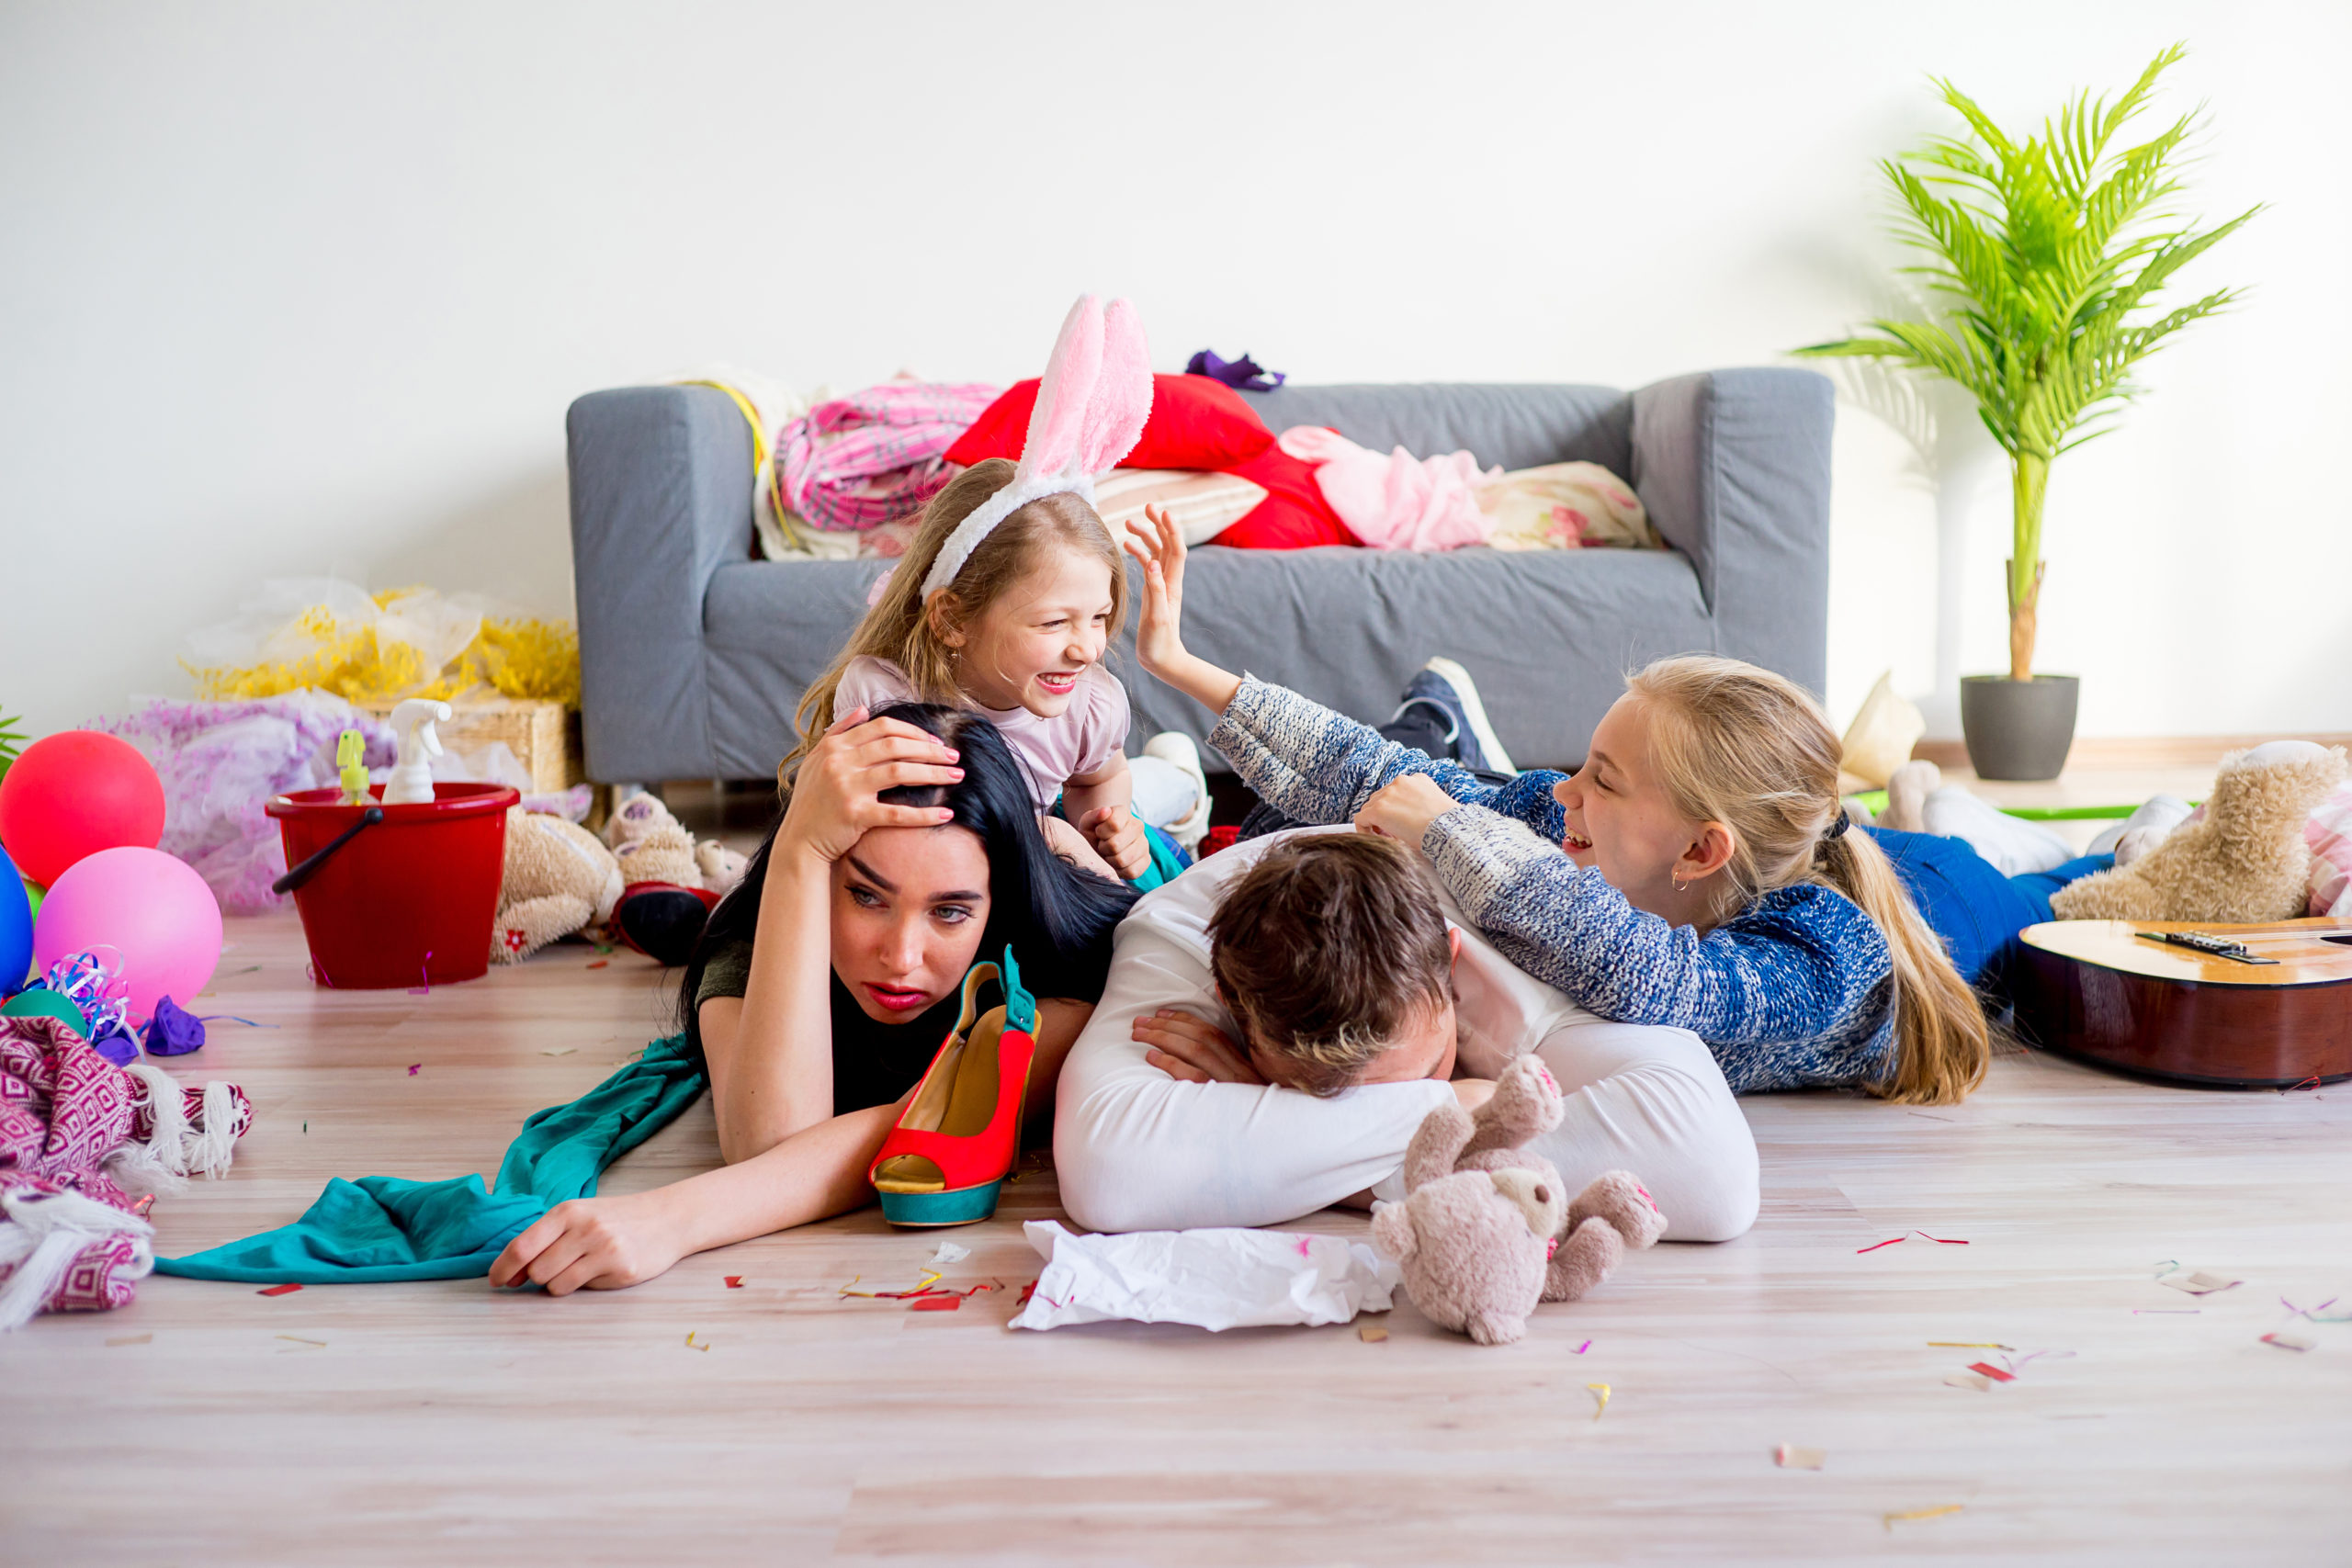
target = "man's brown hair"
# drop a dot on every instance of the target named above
(1326, 948)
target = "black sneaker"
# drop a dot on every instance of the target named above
(1443, 687)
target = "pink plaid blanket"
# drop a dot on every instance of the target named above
(877, 456)
(78, 1135)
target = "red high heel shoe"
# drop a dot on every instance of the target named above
(958, 1138)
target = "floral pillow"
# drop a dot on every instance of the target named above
(1566, 506)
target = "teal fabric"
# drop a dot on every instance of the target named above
(382, 1227)
(1168, 859)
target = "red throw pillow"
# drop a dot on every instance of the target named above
(1196, 423)
(1294, 516)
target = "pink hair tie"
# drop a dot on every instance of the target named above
(881, 586)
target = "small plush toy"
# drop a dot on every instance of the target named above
(1479, 1233)
(559, 879)
(2243, 860)
(653, 846)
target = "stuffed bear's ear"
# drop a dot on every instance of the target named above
(1392, 1231)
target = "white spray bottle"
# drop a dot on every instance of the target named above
(411, 779)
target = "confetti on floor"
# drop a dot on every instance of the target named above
(1372, 1335)
(2286, 1341)
(2198, 1281)
(1583, 1347)
(935, 1303)
(1906, 1235)
(286, 1290)
(1968, 1380)
(318, 1344)
(691, 1346)
(600, 964)
(949, 1252)
(2165, 1311)
(1602, 1390)
(1968, 1345)
(1921, 1514)
(1788, 1456)
(734, 1281)
(1986, 1370)
(131, 1339)
(560, 1051)
(415, 1068)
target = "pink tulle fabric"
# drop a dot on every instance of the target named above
(1399, 501)
(221, 761)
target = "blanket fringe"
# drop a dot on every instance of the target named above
(46, 1233)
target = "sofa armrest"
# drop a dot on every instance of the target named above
(1734, 468)
(661, 499)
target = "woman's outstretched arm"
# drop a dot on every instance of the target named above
(771, 1056)
(603, 1244)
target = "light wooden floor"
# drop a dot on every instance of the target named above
(440, 1423)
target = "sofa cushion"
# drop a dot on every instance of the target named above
(1294, 516)
(1501, 426)
(1195, 423)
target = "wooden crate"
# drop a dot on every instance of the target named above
(544, 736)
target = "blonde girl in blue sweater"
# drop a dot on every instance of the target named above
(1697, 871)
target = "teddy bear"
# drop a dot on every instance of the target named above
(1486, 1231)
(558, 878)
(654, 846)
(2243, 860)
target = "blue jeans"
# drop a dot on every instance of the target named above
(1974, 908)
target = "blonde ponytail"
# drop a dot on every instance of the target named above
(1736, 744)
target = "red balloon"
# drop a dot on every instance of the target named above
(73, 793)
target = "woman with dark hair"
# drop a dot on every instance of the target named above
(908, 850)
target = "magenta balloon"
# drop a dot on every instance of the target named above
(142, 909)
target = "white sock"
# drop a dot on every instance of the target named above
(2013, 845)
(1162, 793)
(1172, 749)
(2162, 813)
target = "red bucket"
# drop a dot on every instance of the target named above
(409, 901)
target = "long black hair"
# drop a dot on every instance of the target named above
(1057, 918)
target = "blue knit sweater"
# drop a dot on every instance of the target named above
(1794, 993)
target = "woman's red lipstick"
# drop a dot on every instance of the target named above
(898, 999)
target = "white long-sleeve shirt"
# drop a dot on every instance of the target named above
(1135, 1149)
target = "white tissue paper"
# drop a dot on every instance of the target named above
(1212, 1279)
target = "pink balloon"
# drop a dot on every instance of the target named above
(142, 909)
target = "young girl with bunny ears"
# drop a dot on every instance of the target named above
(1012, 592)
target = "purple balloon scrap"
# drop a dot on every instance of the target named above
(173, 1032)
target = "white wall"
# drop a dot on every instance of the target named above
(294, 289)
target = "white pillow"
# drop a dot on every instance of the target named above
(1204, 505)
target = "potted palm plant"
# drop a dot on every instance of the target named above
(2048, 256)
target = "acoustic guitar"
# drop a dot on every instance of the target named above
(2241, 1006)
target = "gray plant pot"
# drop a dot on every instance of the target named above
(2018, 730)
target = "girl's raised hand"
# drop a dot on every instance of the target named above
(1159, 543)
(1159, 639)
(836, 796)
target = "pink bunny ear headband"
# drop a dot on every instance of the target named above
(1091, 405)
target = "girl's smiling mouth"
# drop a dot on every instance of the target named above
(1570, 843)
(1060, 683)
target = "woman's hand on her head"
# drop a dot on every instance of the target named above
(1404, 808)
(1193, 1050)
(836, 796)
(597, 1244)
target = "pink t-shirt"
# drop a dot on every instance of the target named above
(1082, 739)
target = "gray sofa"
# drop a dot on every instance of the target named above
(694, 653)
